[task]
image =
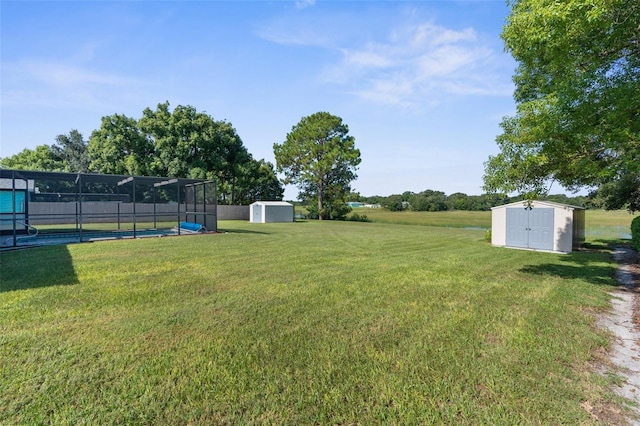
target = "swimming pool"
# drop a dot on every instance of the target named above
(51, 238)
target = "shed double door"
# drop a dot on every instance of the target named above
(530, 228)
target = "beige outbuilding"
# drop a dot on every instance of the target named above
(538, 225)
(271, 211)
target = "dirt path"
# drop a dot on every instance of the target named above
(624, 322)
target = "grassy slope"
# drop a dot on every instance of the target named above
(300, 323)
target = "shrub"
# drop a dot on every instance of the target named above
(487, 236)
(358, 218)
(635, 232)
(332, 210)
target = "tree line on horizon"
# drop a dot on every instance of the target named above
(436, 201)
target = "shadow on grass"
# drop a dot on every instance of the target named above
(586, 265)
(608, 244)
(36, 267)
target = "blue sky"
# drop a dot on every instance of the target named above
(421, 85)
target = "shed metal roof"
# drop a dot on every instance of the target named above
(539, 203)
(273, 203)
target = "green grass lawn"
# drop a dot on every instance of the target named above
(302, 323)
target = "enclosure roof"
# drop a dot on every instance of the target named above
(88, 177)
(539, 203)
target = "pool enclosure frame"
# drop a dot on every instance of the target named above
(123, 205)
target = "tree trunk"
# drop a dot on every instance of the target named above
(320, 202)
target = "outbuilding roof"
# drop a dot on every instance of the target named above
(273, 203)
(539, 203)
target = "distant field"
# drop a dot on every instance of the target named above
(454, 219)
(599, 223)
(303, 323)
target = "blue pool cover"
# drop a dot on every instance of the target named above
(193, 227)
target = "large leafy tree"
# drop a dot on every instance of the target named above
(232, 162)
(578, 99)
(181, 143)
(68, 154)
(320, 157)
(72, 150)
(258, 181)
(40, 158)
(178, 139)
(178, 143)
(192, 144)
(120, 147)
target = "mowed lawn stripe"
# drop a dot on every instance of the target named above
(313, 322)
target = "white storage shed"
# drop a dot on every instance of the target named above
(271, 211)
(538, 225)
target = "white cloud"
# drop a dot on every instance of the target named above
(368, 58)
(393, 91)
(415, 64)
(428, 34)
(446, 61)
(50, 84)
(293, 34)
(420, 65)
(56, 74)
(302, 4)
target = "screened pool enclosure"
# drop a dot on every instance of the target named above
(49, 207)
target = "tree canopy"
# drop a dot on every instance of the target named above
(192, 144)
(181, 143)
(258, 181)
(578, 99)
(68, 154)
(320, 157)
(72, 150)
(120, 147)
(40, 158)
